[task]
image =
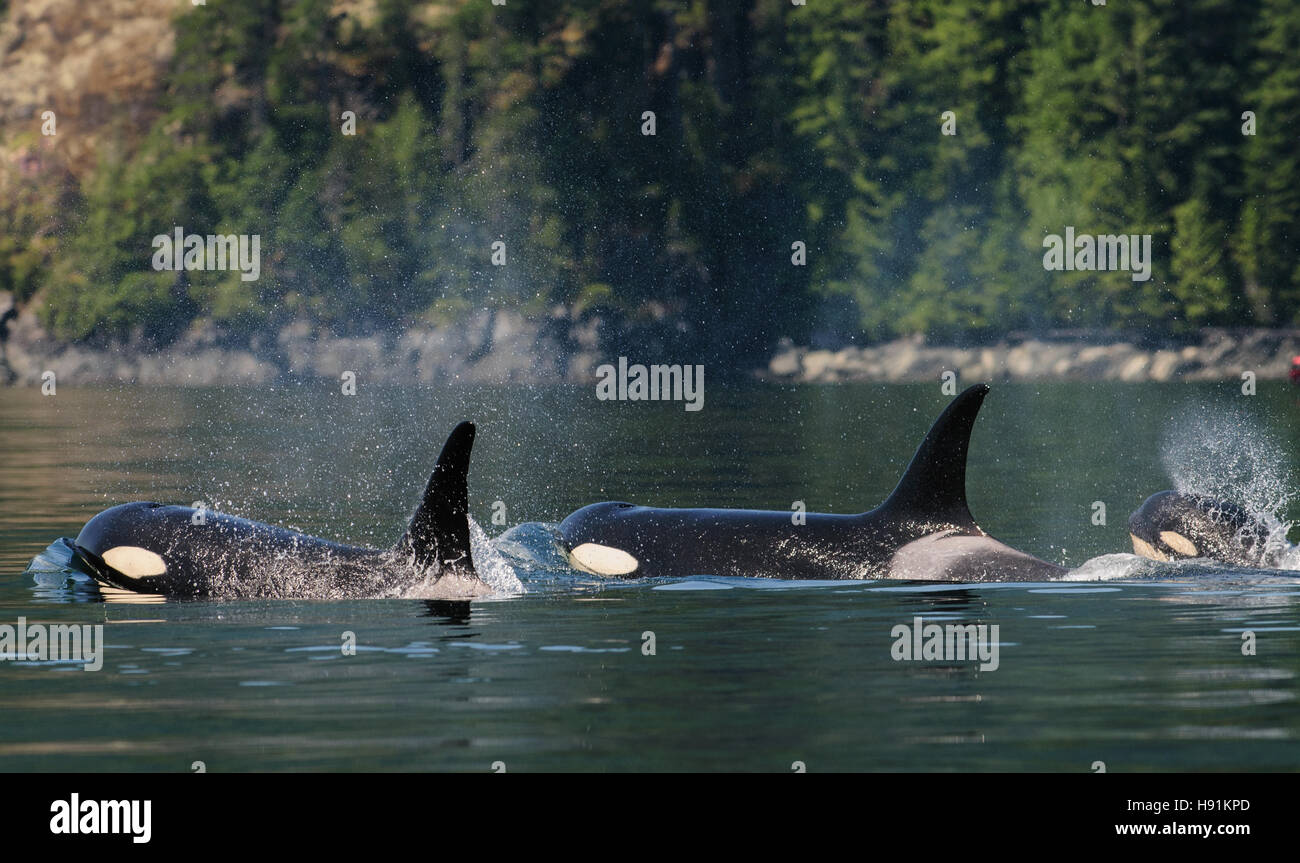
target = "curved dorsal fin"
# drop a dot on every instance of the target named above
(933, 488)
(438, 536)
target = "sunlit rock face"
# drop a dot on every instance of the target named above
(94, 63)
(90, 63)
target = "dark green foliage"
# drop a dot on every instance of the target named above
(775, 124)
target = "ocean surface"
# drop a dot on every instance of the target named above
(1129, 666)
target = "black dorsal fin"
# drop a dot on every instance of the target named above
(438, 536)
(933, 488)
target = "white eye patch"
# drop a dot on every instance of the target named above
(602, 559)
(1145, 549)
(134, 562)
(1179, 543)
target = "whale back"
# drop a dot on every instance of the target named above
(438, 535)
(933, 488)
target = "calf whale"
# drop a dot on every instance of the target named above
(924, 530)
(182, 552)
(1172, 526)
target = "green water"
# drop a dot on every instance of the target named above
(746, 675)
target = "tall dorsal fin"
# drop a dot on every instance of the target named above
(438, 536)
(933, 487)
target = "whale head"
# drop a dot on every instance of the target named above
(128, 545)
(1171, 525)
(603, 538)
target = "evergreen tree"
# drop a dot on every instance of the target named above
(1267, 243)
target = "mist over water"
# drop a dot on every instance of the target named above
(491, 565)
(1224, 452)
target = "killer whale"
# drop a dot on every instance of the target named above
(180, 552)
(923, 531)
(1172, 525)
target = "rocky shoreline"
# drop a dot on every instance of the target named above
(1216, 354)
(491, 347)
(504, 347)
